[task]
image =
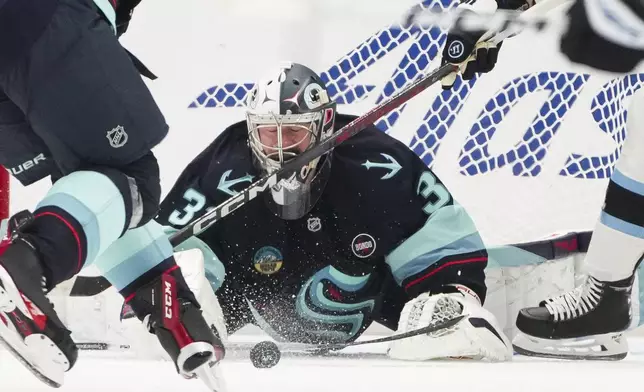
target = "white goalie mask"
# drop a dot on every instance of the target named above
(288, 113)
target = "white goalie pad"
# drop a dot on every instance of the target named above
(191, 262)
(510, 289)
(517, 278)
(192, 266)
(95, 321)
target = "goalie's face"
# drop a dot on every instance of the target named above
(281, 142)
(275, 139)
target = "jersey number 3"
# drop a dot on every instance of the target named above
(434, 192)
(196, 201)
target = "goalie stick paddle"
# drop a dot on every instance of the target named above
(86, 286)
(267, 354)
(421, 331)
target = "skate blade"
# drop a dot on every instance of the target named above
(212, 377)
(606, 347)
(31, 350)
(34, 370)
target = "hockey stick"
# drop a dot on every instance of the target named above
(301, 348)
(421, 331)
(510, 21)
(85, 286)
(267, 354)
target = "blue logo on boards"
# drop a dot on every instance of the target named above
(525, 158)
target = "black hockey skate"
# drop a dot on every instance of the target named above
(586, 323)
(168, 309)
(29, 326)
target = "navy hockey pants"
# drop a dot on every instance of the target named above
(76, 101)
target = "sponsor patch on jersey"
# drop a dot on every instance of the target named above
(268, 260)
(363, 245)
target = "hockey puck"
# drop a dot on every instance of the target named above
(265, 355)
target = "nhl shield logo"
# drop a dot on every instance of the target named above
(314, 224)
(117, 137)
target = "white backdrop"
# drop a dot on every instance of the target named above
(198, 44)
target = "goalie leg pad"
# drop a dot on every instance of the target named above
(192, 266)
(477, 337)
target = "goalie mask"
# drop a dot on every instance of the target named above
(288, 113)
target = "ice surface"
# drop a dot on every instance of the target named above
(108, 373)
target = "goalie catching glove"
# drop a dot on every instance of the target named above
(463, 48)
(477, 336)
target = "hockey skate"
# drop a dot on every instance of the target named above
(586, 323)
(168, 310)
(29, 326)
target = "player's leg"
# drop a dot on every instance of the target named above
(166, 300)
(150, 304)
(142, 267)
(454, 290)
(226, 311)
(83, 97)
(28, 159)
(599, 309)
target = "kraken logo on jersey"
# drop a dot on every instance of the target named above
(313, 304)
(268, 260)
